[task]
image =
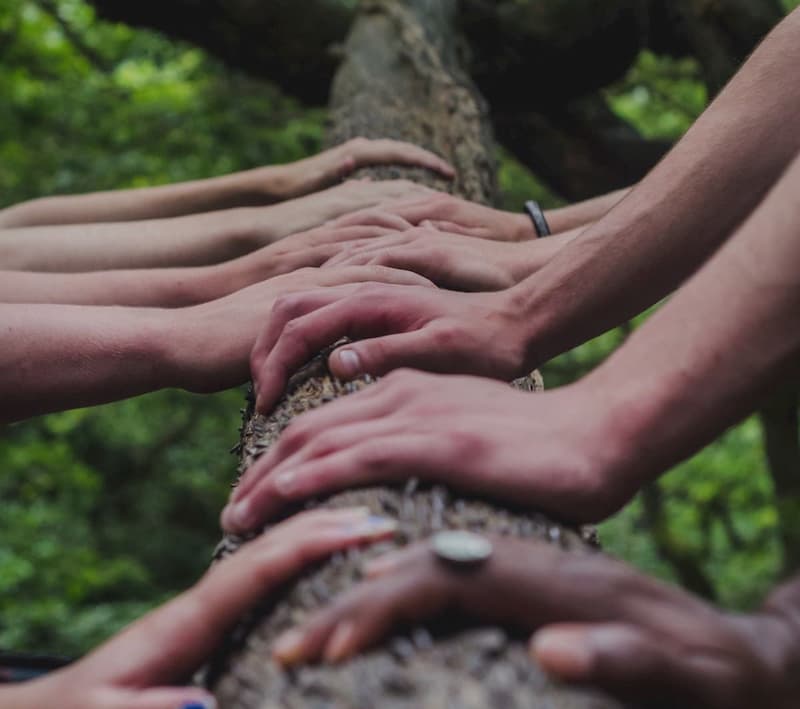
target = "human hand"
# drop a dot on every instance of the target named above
(141, 667)
(555, 451)
(208, 346)
(454, 215)
(603, 623)
(451, 261)
(433, 330)
(278, 221)
(337, 163)
(311, 248)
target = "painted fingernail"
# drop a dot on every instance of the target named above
(339, 646)
(289, 648)
(209, 703)
(372, 526)
(285, 482)
(350, 363)
(564, 653)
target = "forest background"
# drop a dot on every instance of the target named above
(106, 512)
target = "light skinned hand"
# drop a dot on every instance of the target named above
(428, 329)
(453, 261)
(337, 163)
(599, 622)
(553, 451)
(454, 215)
(143, 666)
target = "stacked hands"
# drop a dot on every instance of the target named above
(419, 280)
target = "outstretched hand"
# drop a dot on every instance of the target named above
(556, 451)
(141, 667)
(603, 623)
(337, 163)
(424, 328)
(451, 214)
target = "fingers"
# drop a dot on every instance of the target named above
(158, 698)
(172, 641)
(365, 614)
(299, 328)
(363, 406)
(362, 152)
(632, 663)
(376, 458)
(370, 274)
(373, 217)
(453, 228)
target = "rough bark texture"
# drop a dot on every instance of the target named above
(399, 79)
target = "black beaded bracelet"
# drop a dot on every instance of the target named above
(537, 217)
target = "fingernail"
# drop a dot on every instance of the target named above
(239, 514)
(372, 525)
(563, 653)
(285, 482)
(380, 566)
(349, 363)
(288, 648)
(209, 703)
(338, 647)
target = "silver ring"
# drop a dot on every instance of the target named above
(461, 548)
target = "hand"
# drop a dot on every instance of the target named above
(604, 624)
(210, 344)
(456, 216)
(554, 451)
(433, 330)
(331, 166)
(304, 249)
(135, 669)
(452, 261)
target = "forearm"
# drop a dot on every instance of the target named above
(583, 213)
(158, 243)
(250, 188)
(57, 357)
(680, 213)
(715, 350)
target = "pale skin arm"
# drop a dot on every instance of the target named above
(255, 187)
(705, 360)
(185, 286)
(56, 357)
(194, 240)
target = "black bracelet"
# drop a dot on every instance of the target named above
(537, 217)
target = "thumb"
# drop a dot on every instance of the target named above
(625, 660)
(380, 355)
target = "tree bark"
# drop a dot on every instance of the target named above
(400, 78)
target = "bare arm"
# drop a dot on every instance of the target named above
(55, 357)
(256, 187)
(183, 286)
(680, 213)
(194, 240)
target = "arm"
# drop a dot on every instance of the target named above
(260, 186)
(184, 286)
(194, 240)
(143, 666)
(56, 357)
(601, 623)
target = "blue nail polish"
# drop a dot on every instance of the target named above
(196, 705)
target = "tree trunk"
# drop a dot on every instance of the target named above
(400, 78)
